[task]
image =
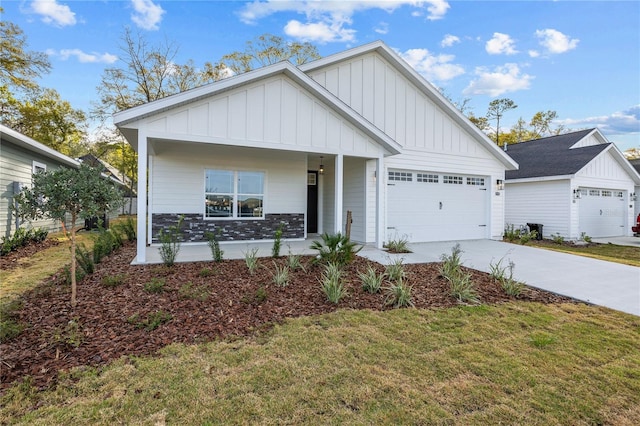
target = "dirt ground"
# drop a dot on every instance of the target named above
(198, 302)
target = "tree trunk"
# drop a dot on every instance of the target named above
(73, 260)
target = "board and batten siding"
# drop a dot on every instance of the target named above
(178, 176)
(16, 165)
(354, 197)
(431, 139)
(275, 113)
(546, 202)
(604, 172)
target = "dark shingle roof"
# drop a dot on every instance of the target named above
(551, 156)
(636, 164)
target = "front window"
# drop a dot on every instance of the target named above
(234, 194)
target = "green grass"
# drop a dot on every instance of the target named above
(510, 364)
(626, 255)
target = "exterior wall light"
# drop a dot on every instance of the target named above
(500, 184)
(321, 169)
(577, 194)
(633, 196)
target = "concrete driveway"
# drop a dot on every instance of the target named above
(602, 283)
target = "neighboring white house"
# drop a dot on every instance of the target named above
(572, 184)
(636, 195)
(298, 147)
(20, 158)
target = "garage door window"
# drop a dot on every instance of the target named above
(401, 176)
(594, 193)
(475, 181)
(606, 193)
(427, 178)
(455, 180)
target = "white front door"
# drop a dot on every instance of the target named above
(426, 206)
(602, 212)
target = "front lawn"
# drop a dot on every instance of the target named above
(626, 255)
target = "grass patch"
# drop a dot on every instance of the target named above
(626, 255)
(517, 363)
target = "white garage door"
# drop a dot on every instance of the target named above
(427, 206)
(602, 212)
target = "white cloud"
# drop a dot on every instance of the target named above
(320, 32)
(534, 53)
(330, 20)
(147, 15)
(432, 67)
(504, 79)
(555, 42)
(54, 13)
(501, 44)
(83, 57)
(449, 40)
(619, 122)
(382, 28)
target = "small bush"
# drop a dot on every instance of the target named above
(399, 245)
(371, 280)
(84, 259)
(105, 243)
(294, 262)
(497, 271)
(451, 264)
(192, 291)
(151, 322)
(214, 245)
(510, 286)
(336, 249)
(527, 236)
(462, 288)
(511, 234)
(9, 325)
(21, 238)
(395, 270)
(128, 228)
(251, 260)
(113, 280)
(584, 237)
(170, 243)
(277, 242)
(557, 238)
(71, 334)
(399, 295)
(206, 272)
(332, 283)
(257, 298)
(280, 275)
(66, 275)
(156, 285)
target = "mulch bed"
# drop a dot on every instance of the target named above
(206, 301)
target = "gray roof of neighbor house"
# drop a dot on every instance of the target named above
(636, 164)
(552, 156)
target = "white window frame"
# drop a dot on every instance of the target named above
(395, 176)
(38, 167)
(452, 180)
(427, 178)
(234, 195)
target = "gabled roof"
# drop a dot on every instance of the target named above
(125, 119)
(29, 144)
(421, 83)
(556, 155)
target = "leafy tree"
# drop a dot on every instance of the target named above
(37, 112)
(18, 66)
(79, 193)
(264, 50)
(541, 124)
(497, 108)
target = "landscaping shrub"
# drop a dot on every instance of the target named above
(152, 321)
(294, 261)
(277, 242)
(399, 295)
(113, 280)
(451, 263)
(336, 249)
(280, 275)
(192, 291)
(156, 285)
(399, 245)
(462, 288)
(214, 245)
(85, 259)
(395, 270)
(170, 242)
(128, 228)
(331, 281)
(251, 260)
(371, 280)
(9, 325)
(21, 238)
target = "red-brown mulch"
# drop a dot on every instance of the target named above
(10, 260)
(108, 328)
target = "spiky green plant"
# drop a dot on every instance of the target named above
(331, 282)
(335, 248)
(399, 295)
(371, 280)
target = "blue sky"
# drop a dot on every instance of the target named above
(579, 58)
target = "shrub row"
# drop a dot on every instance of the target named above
(21, 238)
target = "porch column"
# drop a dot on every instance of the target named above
(141, 255)
(381, 217)
(339, 190)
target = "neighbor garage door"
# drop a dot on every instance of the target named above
(602, 212)
(425, 206)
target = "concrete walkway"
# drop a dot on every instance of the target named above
(595, 281)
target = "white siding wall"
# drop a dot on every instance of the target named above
(431, 139)
(179, 167)
(328, 196)
(588, 141)
(16, 165)
(605, 172)
(548, 203)
(372, 204)
(272, 113)
(354, 197)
